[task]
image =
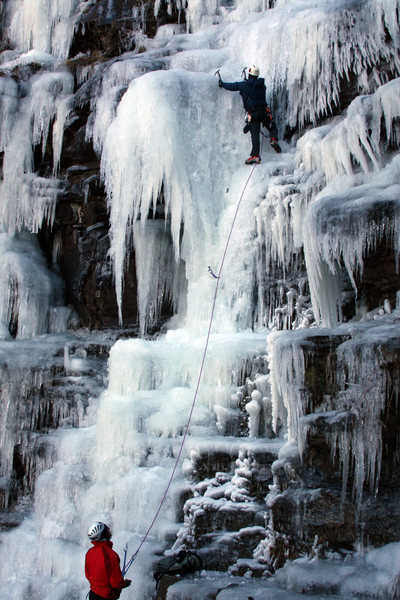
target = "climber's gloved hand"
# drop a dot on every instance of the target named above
(220, 82)
(127, 582)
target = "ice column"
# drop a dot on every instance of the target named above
(27, 199)
(159, 278)
(342, 226)
(45, 25)
(159, 150)
(27, 287)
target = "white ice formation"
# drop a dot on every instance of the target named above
(44, 25)
(171, 152)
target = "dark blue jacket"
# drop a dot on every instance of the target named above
(252, 91)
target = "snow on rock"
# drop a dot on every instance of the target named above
(374, 574)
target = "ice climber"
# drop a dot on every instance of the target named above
(253, 92)
(102, 565)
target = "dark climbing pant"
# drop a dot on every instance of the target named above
(260, 115)
(93, 596)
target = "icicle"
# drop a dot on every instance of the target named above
(46, 25)
(148, 160)
(342, 228)
(26, 199)
(364, 394)
(335, 148)
(159, 277)
(305, 54)
(286, 359)
(26, 286)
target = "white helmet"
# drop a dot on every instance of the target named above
(98, 531)
(254, 70)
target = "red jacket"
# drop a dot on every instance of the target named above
(103, 571)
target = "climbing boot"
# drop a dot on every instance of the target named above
(252, 160)
(275, 146)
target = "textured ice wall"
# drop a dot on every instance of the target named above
(360, 140)
(306, 50)
(342, 228)
(8, 109)
(28, 289)
(175, 361)
(36, 397)
(312, 80)
(46, 25)
(365, 386)
(351, 216)
(287, 368)
(25, 198)
(152, 121)
(160, 280)
(281, 276)
(152, 153)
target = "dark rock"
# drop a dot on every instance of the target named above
(304, 514)
(380, 278)
(165, 582)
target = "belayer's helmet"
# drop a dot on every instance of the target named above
(99, 531)
(254, 70)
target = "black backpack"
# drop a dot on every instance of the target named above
(185, 561)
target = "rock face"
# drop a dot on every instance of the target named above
(80, 234)
(348, 469)
(224, 521)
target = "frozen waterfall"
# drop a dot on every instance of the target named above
(290, 315)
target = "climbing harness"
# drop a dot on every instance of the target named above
(128, 564)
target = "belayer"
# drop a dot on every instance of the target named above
(253, 92)
(102, 565)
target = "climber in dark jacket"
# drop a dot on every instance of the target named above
(253, 92)
(102, 565)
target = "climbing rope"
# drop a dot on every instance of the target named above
(128, 564)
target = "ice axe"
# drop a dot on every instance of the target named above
(218, 72)
(244, 74)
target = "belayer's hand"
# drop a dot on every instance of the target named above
(127, 582)
(220, 82)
